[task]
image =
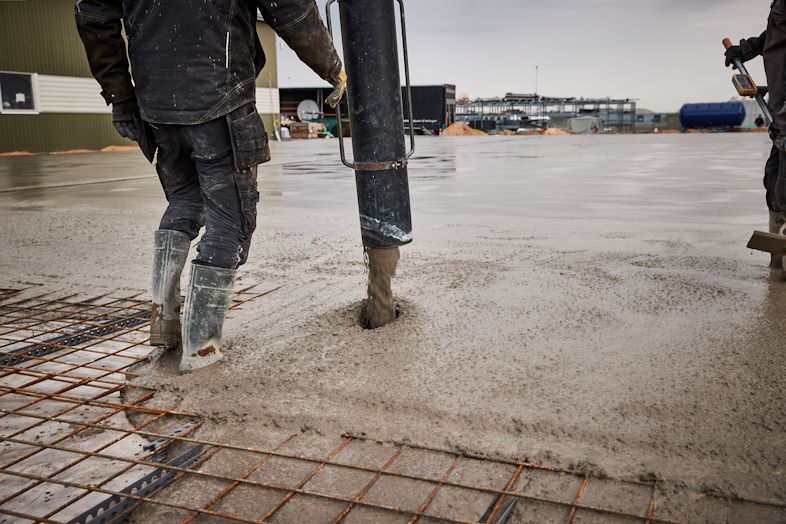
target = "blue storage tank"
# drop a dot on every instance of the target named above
(722, 114)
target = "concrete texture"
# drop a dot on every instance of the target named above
(579, 301)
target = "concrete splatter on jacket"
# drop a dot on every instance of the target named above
(194, 60)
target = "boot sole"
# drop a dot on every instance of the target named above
(196, 362)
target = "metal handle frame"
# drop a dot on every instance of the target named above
(765, 109)
(760, 99)
(340, 126)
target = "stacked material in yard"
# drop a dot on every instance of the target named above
(306, 129)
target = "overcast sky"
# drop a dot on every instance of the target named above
(662, 52)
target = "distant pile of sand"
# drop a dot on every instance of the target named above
(107, 149)
(508, 132)
(110, 149)
(462, 130)
(72, 152)
(556, 131)
(17, 153)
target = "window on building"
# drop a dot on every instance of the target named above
(17, 91)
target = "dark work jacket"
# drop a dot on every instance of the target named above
(774, 53)
(193, 60)
(771, 45)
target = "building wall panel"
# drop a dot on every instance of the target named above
(39, 36)
(47, 132)
(63, 94)
(268, 77)
(267, 100)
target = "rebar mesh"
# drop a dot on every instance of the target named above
(79, 444)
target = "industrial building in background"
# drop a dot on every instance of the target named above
(516, 112)
(50, 101)
(524, 113)
(304, 111)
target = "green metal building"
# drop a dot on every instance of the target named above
(50, 101)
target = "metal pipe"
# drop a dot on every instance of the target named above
(368, 31)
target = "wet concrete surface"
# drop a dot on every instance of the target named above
(581, 301)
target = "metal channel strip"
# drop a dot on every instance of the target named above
(116, 505)
(55, 344)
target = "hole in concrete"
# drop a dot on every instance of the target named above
(361, 317)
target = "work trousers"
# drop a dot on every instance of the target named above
(775, 180)
(209, 176)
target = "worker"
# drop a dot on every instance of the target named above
(771, 45)
(194, 65)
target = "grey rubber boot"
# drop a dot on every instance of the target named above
(777, 221)
(170, 250)
(207, 301)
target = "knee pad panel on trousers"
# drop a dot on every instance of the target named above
(185, 212)
(246, 183)
(771, 169)
(249, 149)
(778, 191)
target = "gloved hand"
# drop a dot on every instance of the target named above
(124, 117)
(339, 85)
(733, 53)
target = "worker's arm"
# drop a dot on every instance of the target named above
(748, 49)
(100, 28)
(298, 23)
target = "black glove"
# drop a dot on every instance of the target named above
(733, 53)
(125, 116)
(778, 138)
